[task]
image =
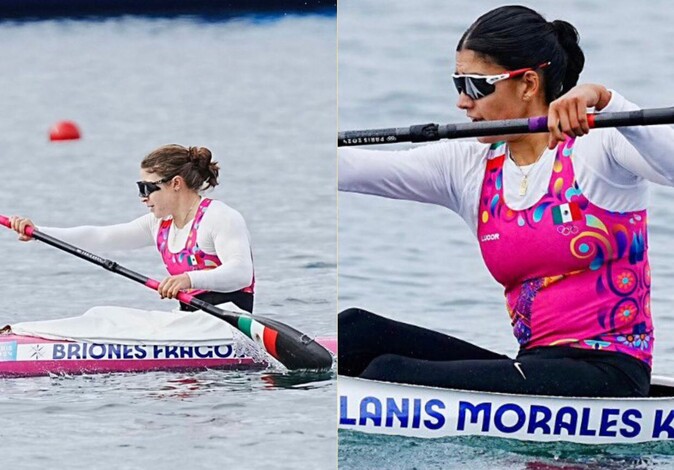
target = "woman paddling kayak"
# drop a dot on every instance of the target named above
(560, 219)
(204, 243)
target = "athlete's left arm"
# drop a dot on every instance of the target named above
(645, 151)
(227, 231)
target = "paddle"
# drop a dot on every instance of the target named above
(430, 132)
(293, 349)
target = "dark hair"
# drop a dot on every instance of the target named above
(516, 37)
(193, 164)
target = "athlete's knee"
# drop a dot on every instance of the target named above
(358, 329)
(352, 313)
(356, 317)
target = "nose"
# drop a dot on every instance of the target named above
(464, 101)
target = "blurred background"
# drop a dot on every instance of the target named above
(420, 263)
(258, 88)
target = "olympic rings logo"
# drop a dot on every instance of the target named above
(567, 230)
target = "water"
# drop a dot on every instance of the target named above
(420, 264)
(375, 451)
(260, 93)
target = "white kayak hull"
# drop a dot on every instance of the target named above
(27, 356)
(427, 412)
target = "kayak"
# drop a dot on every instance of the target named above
(29, 356)
(427, 412)
(119, 339)
(290, 347)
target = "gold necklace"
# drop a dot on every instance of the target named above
(524, 184)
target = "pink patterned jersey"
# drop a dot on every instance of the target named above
(574, 274)
(191, 257)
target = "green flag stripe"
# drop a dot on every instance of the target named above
(245, 324)
(556, 215)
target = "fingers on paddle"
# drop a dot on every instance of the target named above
(170, 287)
(556, 134)
(567, 117)
(565, 124)
(19, 225)
(162, 288)
(577, 119)
(581, 109)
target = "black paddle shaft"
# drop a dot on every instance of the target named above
(432, 132)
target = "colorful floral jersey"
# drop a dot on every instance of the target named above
(191, 257)
(574, 274)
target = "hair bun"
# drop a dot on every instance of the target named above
(200, 157)
(566, 33)
(193, 153)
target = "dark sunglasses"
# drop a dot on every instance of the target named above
(479, 86)
(145, 188)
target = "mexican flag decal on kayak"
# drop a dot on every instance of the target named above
(566, 213)
(265, 337)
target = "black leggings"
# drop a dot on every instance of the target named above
(243, 300)
(373, 347)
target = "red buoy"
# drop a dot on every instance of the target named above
(64, 130)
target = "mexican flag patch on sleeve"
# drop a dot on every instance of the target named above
(566, 213)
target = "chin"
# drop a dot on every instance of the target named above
(490, 139)
(157, 214)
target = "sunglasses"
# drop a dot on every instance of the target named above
(145, 188)
(479, 86)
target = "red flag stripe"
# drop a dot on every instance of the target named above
(269, 339)
(576, 214)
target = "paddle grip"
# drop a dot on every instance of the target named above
(424, 132)
(5, 221)
(538, 124)
(185, 297)
(182, 296)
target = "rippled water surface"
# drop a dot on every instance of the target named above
(260, 93)
(419, 263)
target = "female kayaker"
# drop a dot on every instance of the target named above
(204, 243)
(560, 218)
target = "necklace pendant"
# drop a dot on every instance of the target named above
(523, 186)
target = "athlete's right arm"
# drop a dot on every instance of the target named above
(135, 234)
(437, 173)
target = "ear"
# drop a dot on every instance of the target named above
(531, 85)
(177, 183)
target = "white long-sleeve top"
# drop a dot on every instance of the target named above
(222, 232)
(612, 167)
